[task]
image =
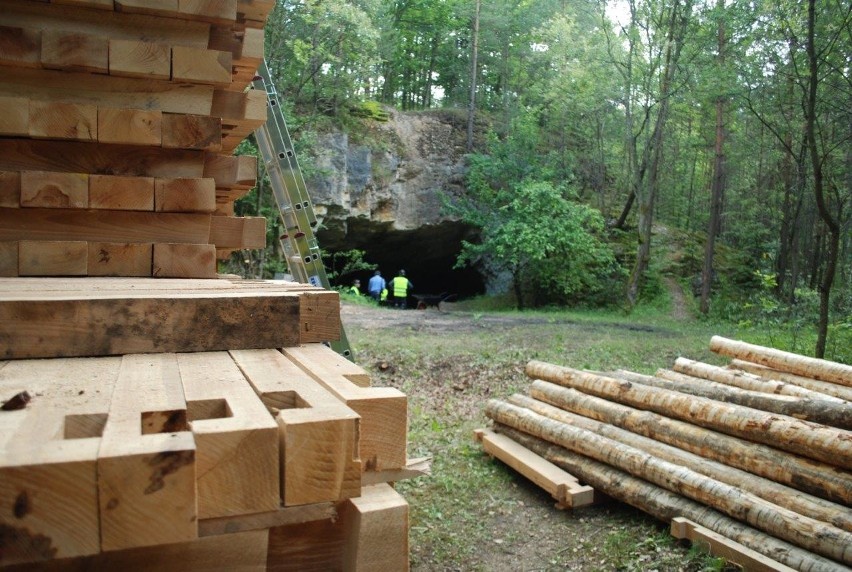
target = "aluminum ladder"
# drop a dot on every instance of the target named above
(300, 246)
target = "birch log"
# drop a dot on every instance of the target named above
(832, 413)
(665, 505)
(827, 444)
(747, 380)
(768, 373)
(805, 366)
(819, 537)
(804, 504)
(804, 474)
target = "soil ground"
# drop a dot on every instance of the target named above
(473, 513)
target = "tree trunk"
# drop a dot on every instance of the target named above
(810, 506)
(825, 444)
(814, 368)
(767, 373)
(808, 533)
(717, 189)
(832, 413)
(815, 478)
(748, 381)
(816, 163)
(474, 51)
(647, 192)
(665, 505)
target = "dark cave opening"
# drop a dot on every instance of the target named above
(427, 254)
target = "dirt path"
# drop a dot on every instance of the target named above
(680, 308)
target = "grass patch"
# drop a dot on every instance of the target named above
(473, 513)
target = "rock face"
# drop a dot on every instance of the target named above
(387, 201)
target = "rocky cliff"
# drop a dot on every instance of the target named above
(385, 198)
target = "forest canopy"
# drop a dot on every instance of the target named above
(728, 122)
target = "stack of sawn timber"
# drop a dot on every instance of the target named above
(117, 123)
(181, 424)
(758, 453)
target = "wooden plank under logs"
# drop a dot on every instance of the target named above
(665, 505)
(113, 316)
(809, 533)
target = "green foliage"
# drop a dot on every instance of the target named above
(344, 263)
(369, 110)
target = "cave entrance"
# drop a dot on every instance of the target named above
(427, 254)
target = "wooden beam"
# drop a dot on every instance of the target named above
(52, 258)
(48, 457)
(14, 114)
(376, 530)
(59, 120)
(563, 487)
(282, 516)
(8, 258)
(10, 189)
(319, 434)
(383, 411)
(147, 461)
(101, 316)
(120, 259)
(196, 195)
(184, 260)
(130, 126)
(181, 131)
(20, 46)
(103, 226)
(134, 58)
(74, 52)
(92, 158)
(722, 547)
(235, 436)
(109, 192)
(108, 91)
(238, 232)
(197, 65)
(420, 467)
(231, 172)
(46, 189)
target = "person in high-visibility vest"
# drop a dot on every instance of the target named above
(400, 286)
(355, 288)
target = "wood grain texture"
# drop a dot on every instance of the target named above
(130, 126)
(376, 530)
(20, 46)
(238, 232)
(74, 52)
(10, 189)
(231, 172)
(197, 65)
(47, 189)
(236, 438)
(103, 226)
(318, 433)
(215, 10)
(111, 192)
(49, 318)
(181, 131)
(8, 258)
(52, 258)
(48, 457)
(120, 259)
(383, 411)
(14, 114)
(60, 120)
(184, 261)
(146, 462)
(185, 195)
(134, 58)
(79, 157)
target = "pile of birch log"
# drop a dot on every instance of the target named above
(759, 451)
